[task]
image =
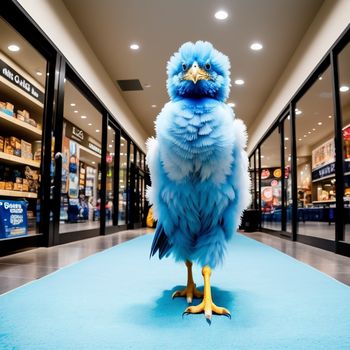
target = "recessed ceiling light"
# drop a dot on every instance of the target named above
(72, 104)
(13, 48)
(262, 156)
(109, 128)
(112, 141)
(239, 82)
(38, 73)
(83, 117)
(76, 111)
(313, 129)
(329, 116)
(97, 130)
(319, 123)
(154, 106)
(93, 162)
(134, 46)
(147, 86)
(231, 104)
(110, 146)
(309, 132)
(305, 135)
(299, 139)
(286, 138)
(221, 15)
(344, 88)
(298, 112)
(256, 46)
(122, 144)
(89, 124)
(320, 77)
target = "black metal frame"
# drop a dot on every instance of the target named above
(329, 60)
(59, 69)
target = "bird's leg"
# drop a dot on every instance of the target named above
(190, 291)
(207, 306)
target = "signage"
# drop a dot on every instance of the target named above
(324, 171)
(323, 155)
(13, 218)
(18, 80)
(78, 135)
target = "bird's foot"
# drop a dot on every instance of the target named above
(189, 293)
(208, 308)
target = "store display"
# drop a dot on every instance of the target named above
(13, 218)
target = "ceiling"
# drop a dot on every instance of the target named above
(160, 27)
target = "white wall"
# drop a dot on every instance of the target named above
(331, 20)
(55, 20)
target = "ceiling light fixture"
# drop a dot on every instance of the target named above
(231, 104)
(221, 15)
(72, 104)
(256, 46)
(134, 46)
(147, 86)
(83, 117)
(76, 111)
(89, 124)
(93, 162)
(97, 130)
(344, 88)
(319, 123)
(286, 138)
(329, 116)
(299, 139)
(239, 82)
(110, 146)
(313, 129)
(38, 73)
(154, 106)
(13, 48)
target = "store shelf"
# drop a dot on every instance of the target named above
(18, 160)
(9, 193)
(21, 128)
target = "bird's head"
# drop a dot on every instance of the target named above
(198, 70)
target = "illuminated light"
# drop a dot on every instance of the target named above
(109, 128)
(76, 111)
(97, 130)
(147, 86)
(221, 15)
(38, 73)
(134, 46)
(286, 138)
(239, 82)
(319, 123)
(262, 156)
(231, 104)
(89, 124)
(309, 132)
(299, 139)
(110, 146)
(154, 106)
(344, 88)
(93, 162)
(329, 116)
(256, 46)
(72, 104)
(83, 117)
(313, 129)
(13, 48)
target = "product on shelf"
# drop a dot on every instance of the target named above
(1, 143)
(26, 149)
(13, 218)
(7, 108)
(16, 145)
(7, 146)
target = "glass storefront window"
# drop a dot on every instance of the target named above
(288, 200)
(122, 198)
(344, 87)
(271, 196)
(81, 163)
(314, 122)
(22, 96)
(110, 176)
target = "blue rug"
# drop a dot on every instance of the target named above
(119, 299)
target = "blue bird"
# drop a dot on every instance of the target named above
(198, 167)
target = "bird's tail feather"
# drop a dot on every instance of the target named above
(160, 243)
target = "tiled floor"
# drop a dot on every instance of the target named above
(21, 268)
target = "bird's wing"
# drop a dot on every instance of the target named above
(238, 181)
(158, 179)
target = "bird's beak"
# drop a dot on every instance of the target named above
(195, 73)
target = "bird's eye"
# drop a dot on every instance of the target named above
(184, 66)
(207, 66)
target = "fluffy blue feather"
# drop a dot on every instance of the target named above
(199, 169)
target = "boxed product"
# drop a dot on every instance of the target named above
(16, 145)
(2, 185)
(13, 218)
(7, 146)
(7, 108)
(25, 187)
(26, 150)
(1, 143)
(9, 185)
(17, 187)
(32, 122)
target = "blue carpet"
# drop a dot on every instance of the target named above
(119, 299)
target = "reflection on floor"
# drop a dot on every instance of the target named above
(79, 226)
(334, 265)
(21, 268)
(311, 228)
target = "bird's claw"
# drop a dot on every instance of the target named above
(189, 293)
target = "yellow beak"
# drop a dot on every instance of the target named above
(195, 73)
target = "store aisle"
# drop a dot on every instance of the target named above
(21, 268)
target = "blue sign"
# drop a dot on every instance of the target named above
(13, 218)
(324, 171)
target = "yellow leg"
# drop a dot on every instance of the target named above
(190, 291)
(207, 306)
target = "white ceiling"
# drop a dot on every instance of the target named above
(160, 27)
